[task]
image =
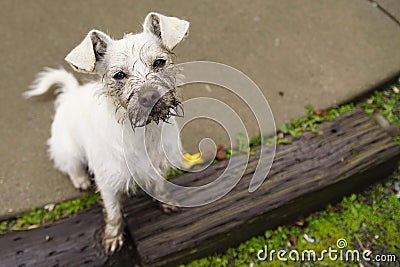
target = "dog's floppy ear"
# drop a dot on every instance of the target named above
(89, 52)
(171, 30)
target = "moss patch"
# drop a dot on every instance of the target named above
(49, 213)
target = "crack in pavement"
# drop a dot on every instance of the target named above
(386, 12)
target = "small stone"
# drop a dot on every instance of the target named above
(308, 239)
(397, 186)
(363, 225)
(49, 207)
(299, 223)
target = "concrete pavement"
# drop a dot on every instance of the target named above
(298, 52)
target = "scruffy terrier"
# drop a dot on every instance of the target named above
(136, 85)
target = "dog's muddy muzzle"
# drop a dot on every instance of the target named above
(152, 106)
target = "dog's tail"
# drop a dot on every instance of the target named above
(49, 78)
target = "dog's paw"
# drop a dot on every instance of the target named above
(81, 182)
(111, 244)
(168, 209)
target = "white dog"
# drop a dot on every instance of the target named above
(136, 86)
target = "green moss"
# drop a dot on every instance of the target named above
(173, 172)
(49, 213)
(386, 102)
(287, 132)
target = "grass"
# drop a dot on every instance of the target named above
(386, 102)
(49, 213)
(287, 132)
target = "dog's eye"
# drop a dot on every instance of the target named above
(119, 75)
(159, 63)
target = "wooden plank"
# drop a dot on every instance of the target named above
(51, 244)
(74, 241)
(315, 170)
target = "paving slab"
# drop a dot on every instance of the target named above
(298, 52)
(392, 7)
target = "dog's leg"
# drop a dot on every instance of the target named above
(113, 233)
(160, 191)
(66, 155)
(75, 169)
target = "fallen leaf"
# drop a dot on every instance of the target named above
(321, 113)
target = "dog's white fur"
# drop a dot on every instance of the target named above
(86, 132)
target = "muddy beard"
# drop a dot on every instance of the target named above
(165, 108)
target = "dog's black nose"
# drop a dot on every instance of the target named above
(148, 98)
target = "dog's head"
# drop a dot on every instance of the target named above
(137, 71)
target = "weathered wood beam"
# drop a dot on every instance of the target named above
(74, 241)
(306, 175)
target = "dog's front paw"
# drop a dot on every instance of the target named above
(111, 244)
(168, 209)
(81, 182)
